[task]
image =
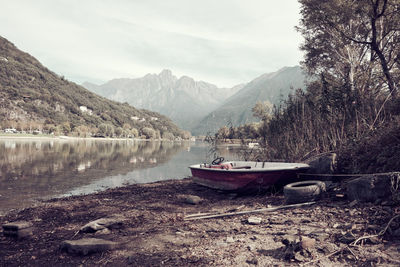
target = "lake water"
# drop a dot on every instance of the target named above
(32, 169)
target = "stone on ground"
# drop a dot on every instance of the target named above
(307, 243)
(87, 245)
(19, 229)
(103, 223)
(369, 188)
(190, 199)
(254, 220)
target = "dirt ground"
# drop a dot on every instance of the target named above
(156, 234)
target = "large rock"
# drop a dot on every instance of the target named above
(369, 188)
(322, 164)
(87, 245)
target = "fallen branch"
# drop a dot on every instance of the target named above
(354, 243)
(194, 217)
(212, 213)
(381, 233)
(349, 249)
(383, 255)
(387, 225)
(324, 257)
(198, 214)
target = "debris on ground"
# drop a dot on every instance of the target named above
(154, 231)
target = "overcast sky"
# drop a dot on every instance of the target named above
(224, 42)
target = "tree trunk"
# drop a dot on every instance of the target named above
(375, 47)
(386, 71)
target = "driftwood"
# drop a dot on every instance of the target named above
(208, 216)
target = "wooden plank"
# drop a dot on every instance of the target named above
(192, 217)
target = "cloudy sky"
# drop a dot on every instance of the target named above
(225, 42)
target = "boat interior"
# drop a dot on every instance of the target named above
(252, 165)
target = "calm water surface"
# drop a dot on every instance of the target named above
(32, 169)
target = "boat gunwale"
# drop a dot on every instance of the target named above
(294, 167)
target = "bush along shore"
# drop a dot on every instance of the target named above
(178, 223)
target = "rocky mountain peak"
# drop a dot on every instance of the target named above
(167, 79)
(166, 75)
(185, 82)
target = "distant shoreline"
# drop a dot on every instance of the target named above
(16, 136)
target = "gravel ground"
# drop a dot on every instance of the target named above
(154, 231)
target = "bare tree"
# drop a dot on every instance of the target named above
(351, 38)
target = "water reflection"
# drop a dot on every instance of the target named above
(32, 169)
(41, 168)
(51, 160)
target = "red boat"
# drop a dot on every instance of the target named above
(238, 175)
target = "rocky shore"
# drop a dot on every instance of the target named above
(153, 225)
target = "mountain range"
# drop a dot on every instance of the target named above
(198, 106)
(237, 109)
(184, 100)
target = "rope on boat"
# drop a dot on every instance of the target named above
(348, 175)
(394, 177)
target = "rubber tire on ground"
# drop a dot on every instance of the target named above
(304, 191)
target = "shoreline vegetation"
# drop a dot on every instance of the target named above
(351, 103)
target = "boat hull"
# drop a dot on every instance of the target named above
(232, 180)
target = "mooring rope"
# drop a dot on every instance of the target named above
(393, 174)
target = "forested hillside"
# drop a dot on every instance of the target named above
(34, 98)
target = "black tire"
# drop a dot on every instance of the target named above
(303, 191)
